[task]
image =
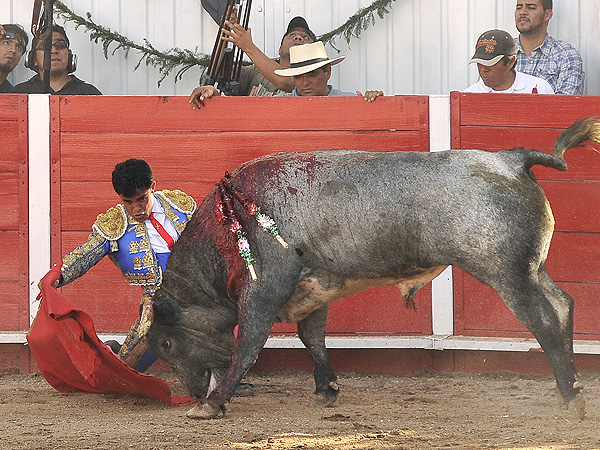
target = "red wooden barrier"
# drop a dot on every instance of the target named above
(495, 122)
(190, 150)
(14, 236)
(14, 270)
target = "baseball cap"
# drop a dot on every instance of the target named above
(492, 46)
(299, 22)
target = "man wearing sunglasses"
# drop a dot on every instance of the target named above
(63, 64)
(13, 43)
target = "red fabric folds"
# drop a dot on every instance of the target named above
(71, 358)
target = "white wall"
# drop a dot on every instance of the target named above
(421, 47)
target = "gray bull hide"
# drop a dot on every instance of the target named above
(353, 220)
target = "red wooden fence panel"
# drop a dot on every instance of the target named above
(190, 150)
(495, 122)
(14, 236)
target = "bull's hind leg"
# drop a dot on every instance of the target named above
(312, 333)
(563, 305)
(547, 311)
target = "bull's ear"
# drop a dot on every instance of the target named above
(166, 311)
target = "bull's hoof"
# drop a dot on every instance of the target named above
(577, 406)
(244, 390)
(328, 396)
(204, 411)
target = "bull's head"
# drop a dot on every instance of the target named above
(195, 340)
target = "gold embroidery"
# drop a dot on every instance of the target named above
(147, 260)
(175, 219)
(83, 258)
(179, 200)
(144, 244)
(140, 230)
(489, 43)
(137, 263)
(151, 277)
(134, 247)
(112, 224)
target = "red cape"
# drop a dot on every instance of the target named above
(71, 358)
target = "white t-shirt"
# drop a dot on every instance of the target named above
(524, 84)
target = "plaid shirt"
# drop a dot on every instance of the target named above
(557, 62)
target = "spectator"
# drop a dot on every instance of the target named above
(297, 33)
(558, 62)
(496, 56)
(259, 78)
(137, 235)
(13, 43)
(311, 69)
(63, 64)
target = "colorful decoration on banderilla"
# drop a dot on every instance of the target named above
(226, 214)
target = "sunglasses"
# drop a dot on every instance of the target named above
(58, 45)
(9, 36)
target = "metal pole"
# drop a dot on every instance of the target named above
(41, 28)
(219, 46)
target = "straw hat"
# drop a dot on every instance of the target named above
(306, 58)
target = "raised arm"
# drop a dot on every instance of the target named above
(242, 39)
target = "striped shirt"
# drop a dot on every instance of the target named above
(558, 62)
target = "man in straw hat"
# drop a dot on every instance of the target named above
(311, 68)
(496, 56)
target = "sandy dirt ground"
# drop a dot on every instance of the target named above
(430, 411)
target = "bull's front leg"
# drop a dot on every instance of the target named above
(245, 352)
(311, 331)
(259, 304)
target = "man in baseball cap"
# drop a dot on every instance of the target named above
(496, 56)
(13, 43)
(299, 23)
(259, 79)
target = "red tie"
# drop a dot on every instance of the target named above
(161, 230)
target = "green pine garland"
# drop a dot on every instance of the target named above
(359, 22)
(172, 58)
(165, 61)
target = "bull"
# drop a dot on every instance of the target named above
(353, 220)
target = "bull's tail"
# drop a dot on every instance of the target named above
(584, 130)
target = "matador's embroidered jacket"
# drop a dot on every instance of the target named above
(116, 234)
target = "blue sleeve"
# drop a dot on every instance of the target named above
(84, 257)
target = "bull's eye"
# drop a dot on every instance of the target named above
(167, 345)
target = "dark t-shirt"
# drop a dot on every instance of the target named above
(254, 83)
(35, 85)
(5, 87)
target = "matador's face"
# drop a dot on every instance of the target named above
(139, 206)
